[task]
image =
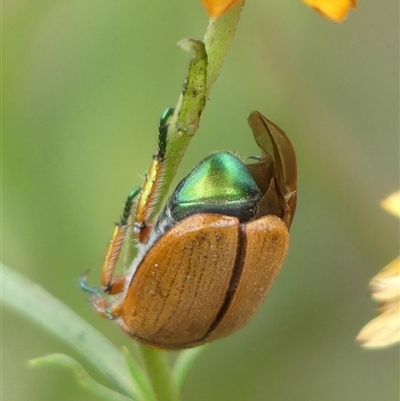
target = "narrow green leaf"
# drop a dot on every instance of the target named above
(83, 377)
(37, 304)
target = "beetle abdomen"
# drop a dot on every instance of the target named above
(263, 254)
(190, 287)
(180, 285)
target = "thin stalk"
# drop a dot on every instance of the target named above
(203, 72)
(159, 373)
(218, 38)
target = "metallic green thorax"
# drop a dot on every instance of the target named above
(221, 184)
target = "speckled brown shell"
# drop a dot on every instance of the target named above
(203, 280)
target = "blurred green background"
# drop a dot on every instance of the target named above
(84, 84)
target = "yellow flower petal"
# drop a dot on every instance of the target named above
(334, 9)
(384, 330)
(215, 8)
(392, 203)
(386, 284)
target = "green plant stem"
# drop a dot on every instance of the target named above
(218, 38)
(185, 121)
(159, 373)
(139, 376)
(203, 72)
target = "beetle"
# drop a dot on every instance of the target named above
(204, 267)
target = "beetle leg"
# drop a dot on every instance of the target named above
(147, 197)
(106, 309)
(150, 189)
(110, 285)
(102, 304)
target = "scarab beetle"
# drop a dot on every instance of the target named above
(204, 267)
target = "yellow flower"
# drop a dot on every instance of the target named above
(392, 204)
(384, 330)
(215, 8)
(334, 9)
